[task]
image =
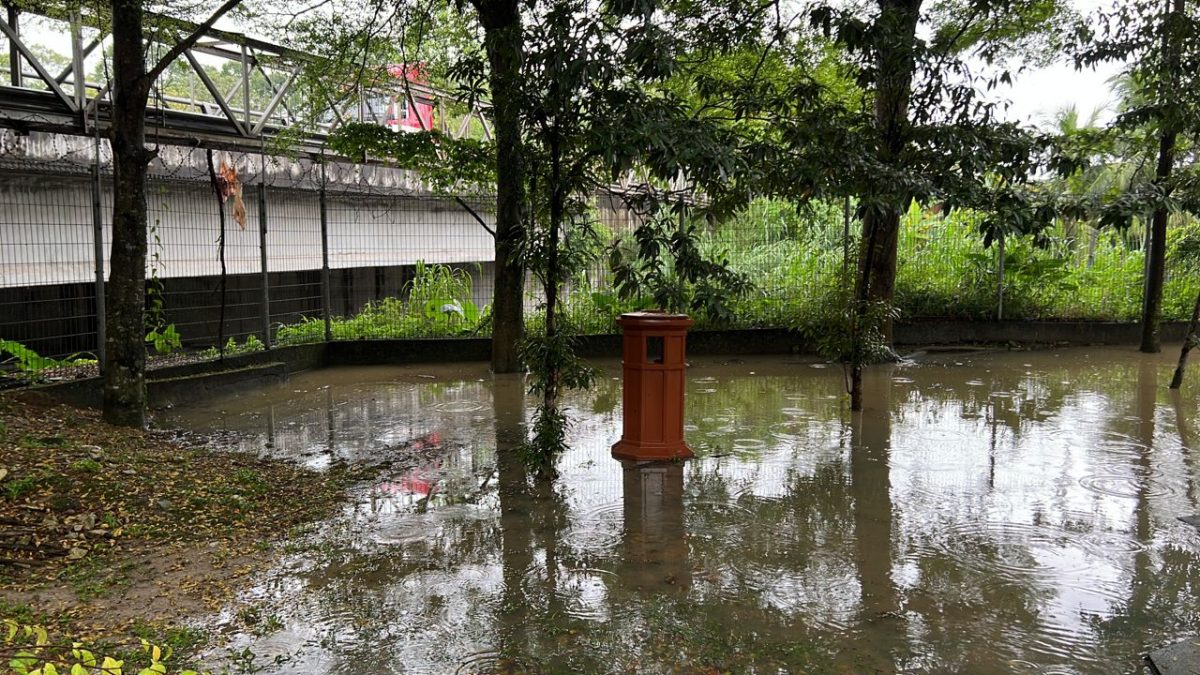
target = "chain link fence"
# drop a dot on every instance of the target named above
(309, 252)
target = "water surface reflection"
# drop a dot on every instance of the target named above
(987, 512)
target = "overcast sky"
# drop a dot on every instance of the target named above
(1037, 94)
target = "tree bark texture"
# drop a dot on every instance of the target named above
(125, 342)
(1156, 253)
(504, 43)
(895, 65)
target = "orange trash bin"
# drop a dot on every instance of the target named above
(654, 369)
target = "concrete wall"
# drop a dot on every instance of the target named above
(47, 253)
(46, 231)
(196, 379)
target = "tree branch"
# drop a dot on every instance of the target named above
(483, 223)
(187, 43)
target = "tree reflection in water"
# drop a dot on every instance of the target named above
(1004, 512)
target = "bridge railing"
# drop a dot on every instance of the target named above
(229, 90)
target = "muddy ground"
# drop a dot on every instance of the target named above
(110, 535)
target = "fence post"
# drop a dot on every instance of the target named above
(98, 252)
(15, 60)
(846, 236)
(325, 303)
(1000, 278)
(262, 257)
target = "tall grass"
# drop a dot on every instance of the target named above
(435, 303)
(796, 259)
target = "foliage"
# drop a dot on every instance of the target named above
(445, 163)
(665, 267)
(30, 365)
(565, 371)
(830, 326)
(33, 653)
(160, 334)
(435, 303)
(251, 345)
(164, 339)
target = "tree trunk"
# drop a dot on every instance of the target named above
(1156, 253)
(876, 283)
(1189, 341)
(895, 64)
(125, 343)
(504, 43)
(1156, 256)
(881, 232)
(556, 216)
(125, 306)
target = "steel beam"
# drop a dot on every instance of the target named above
(14, 39)
(280, 93)
(212, 89)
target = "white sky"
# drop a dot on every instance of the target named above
(1037, 94)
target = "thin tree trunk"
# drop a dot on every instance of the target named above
(125, 341)
(504, 43)
(1093, 241)
(1189, 341)
(556, 215)
(1156, 254)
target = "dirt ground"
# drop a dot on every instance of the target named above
(110, 535)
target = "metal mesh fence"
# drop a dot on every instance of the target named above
(386, 258)
(47, 283)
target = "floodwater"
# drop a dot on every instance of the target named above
(990, 512)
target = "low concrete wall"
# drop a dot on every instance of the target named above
(192, 380)
(167, 385)
(433, 350)
(1029, 332)
(171, 391)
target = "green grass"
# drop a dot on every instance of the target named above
(796, 260)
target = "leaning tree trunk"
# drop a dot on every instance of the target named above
(504, 43)
(125, 343)
(1189, 341)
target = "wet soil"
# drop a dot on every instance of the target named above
(107, 532)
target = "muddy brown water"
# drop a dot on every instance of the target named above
(994, 512)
